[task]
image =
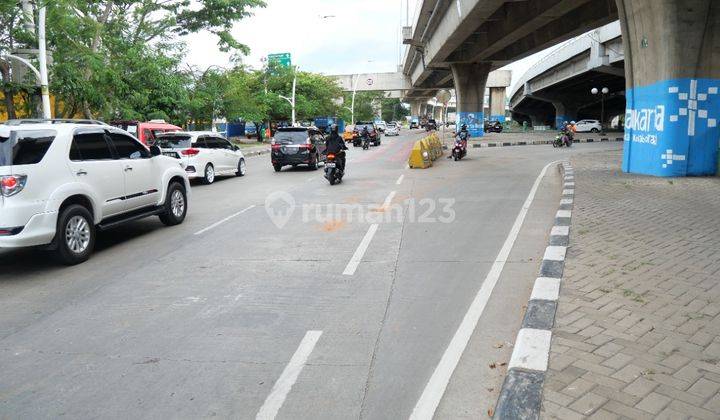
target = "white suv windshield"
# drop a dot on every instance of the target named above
(25, 147)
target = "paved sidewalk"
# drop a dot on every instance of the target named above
(637, 333)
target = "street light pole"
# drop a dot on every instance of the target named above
(604, 91)
(42, 60)
(291, 100)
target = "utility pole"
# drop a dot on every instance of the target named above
(42, 60)
(291, 100)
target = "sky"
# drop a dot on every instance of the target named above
(323, 36)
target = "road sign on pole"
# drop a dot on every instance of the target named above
(280, 59)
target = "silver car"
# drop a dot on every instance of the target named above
(392, 130)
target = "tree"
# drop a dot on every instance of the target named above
(89, 38)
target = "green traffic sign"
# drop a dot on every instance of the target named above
(281, 59)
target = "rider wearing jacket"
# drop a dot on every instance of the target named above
(335, 144)
(464, 136)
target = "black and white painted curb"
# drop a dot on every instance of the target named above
(536, 142)
(521, 394)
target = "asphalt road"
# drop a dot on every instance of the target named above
(228, 315)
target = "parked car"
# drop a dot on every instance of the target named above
(392, 130)
(374, 133)
(203, 154)
(63, 181)
(146, 132)
(250, 130)
(585, 126)
(297, 146)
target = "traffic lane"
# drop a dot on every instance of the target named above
(441, 267)
(129, 305)
(476, 382)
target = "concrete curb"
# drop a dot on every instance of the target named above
(521, 394)
(538, 142)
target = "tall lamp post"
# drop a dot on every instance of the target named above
(42, 72)
(291, 100)
(604, 91)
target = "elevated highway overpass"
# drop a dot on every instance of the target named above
(557, 88)
(671, 51)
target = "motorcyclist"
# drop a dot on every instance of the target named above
(335, 144)
(463, 135)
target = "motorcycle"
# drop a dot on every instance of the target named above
(333, 173)
(365, 142)
(563, 139)
(458, 151)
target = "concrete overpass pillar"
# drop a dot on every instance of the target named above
(469, 80)
(497, 104)
(415, 107)
(563, 113)
(672, 71)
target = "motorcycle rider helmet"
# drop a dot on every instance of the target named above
(334, 128)
(463, 127)
(572, 122)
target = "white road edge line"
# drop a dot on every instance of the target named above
(214, 225)
(389, 199)
(287, 379)
(400, 180)
(352, 265)
(435, 388)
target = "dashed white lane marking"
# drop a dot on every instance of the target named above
(568, 191)
(563, 213)
(532, 349)
(435, 388)
(214, 225)
(287, 379)
(546, 288)
(560, 231)
(400, 180)
(389, 199)
(566, 201)
(352, 265)
(555, 253)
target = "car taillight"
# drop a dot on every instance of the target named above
(189, 152)
(275, 147)
(12, 184)
(331, 156)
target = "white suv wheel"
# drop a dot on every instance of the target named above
(77, 234)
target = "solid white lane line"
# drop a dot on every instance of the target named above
(389, 199)
(352, 265)
(400, 180)
(532, 349)
(435, 388)
(214, 225)
(287, 379)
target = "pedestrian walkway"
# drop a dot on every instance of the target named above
(637, 333)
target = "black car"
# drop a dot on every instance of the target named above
(431, 125)
(374, 133)
(297, 146)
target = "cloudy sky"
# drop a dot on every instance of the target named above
(325, 36)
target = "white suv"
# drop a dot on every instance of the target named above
(203, 154)
(585, 126)
(61, 181)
